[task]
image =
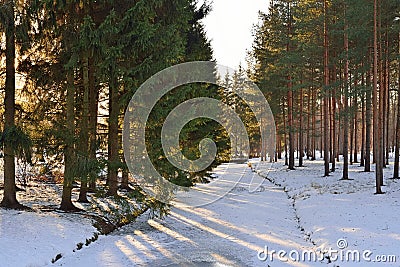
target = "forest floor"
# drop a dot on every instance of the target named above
(299, 213)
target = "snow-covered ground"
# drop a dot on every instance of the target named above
(294, 215)
(228, 232)
(32, 239)
(35, 238)
(333, 211)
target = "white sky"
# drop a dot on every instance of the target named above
(229, 27)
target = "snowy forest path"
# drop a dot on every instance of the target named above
(231, 231)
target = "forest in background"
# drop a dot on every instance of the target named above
(329, 69)
(331, 73)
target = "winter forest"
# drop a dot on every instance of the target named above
(328, 185)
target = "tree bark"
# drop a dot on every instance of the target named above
(84, 138)
(69, 150)
(397, 141)
(290, 100)
(345, 108)
(10, 196)
(326, 95)
(285, 134)
(309, 124)
(333, 138)
(387, 99)
(351, 131)
(113, 155)
(93, 110)
(377, 116)
(355, 107)
(362, 159)
(290, 127)
(125, 179)
(368, 125)
(314, 125)
(301, 148)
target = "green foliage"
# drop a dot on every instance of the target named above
(237, 82)
(125, 208)
(85, 167)
(196, 47)
(288, 54)
(125, 42)
(19, 141)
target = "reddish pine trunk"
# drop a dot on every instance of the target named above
(301, 148)
(362, 159)
(346, 109)
(308, 124)
(397, 141)
(377, 116)
(314, 124)
(355, 106)
(326, 95)
(290, 101)
(285, 134)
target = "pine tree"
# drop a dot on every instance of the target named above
(397, 142)
(377, 110)
(346, 108)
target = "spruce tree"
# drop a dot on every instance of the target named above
(13, 138)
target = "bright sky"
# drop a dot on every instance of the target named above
(229, 27)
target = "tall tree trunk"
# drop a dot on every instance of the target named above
(301, 146)
(285, 134)
(279, 145)
(69, 151)
(393, 99)
(314, 125)
(10, 196)
(84, 137)
(382, 104)
(355, 108)
(322, 125)
(93, 110)
(377, 116)
(340, 129)
(351, 131)
(345, 107)
(290, 126)
(326, 95)
(362, 159)
(368, 124)
(330, 128)
(113, 155)
(308, 141)
(333, 131)
(334, 143)
(387, 98)
(290, 99)
(397, 141)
